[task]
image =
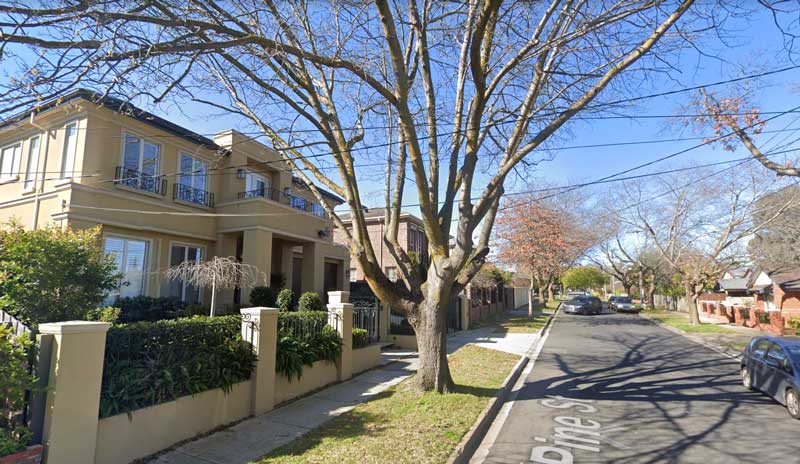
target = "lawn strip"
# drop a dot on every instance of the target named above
(405, 426)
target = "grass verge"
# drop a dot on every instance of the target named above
(405, 426)
(523, 324)
(681, 321)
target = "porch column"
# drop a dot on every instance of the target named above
(313, 269)
(287, 264)
(257, 251)
(224, 247)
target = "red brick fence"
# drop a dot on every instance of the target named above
(772, 322)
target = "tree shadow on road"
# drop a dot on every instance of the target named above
(681, 392)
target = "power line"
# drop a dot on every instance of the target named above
(213, 171)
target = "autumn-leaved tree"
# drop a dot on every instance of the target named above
(539, 240)
(465, 92)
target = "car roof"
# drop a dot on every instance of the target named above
(782, 341)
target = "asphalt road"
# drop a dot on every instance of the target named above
(645, 395)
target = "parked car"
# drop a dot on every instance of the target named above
(583, 305)
(624, 304)
(772, 365)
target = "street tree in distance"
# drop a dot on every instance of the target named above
(584, 278)
(539, 240)
(467, 92)
(700, 221)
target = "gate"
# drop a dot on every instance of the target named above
(367, 316)
(454, 315)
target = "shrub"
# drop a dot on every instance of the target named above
(52, 275)
(145, 308)
(107, 314)
(763, 318)
(263, 296)
(14, 381)
(294, 352)
(287, 301)
(360, 338)
(149, 363)
(310, 301)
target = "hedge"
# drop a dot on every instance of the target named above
(360, 338)
(303, 339)
(149, 363)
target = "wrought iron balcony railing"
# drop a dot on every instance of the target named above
(192, 195)
(140, 181)
(267, 193)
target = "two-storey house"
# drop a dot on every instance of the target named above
(410, 235)
(163, 195)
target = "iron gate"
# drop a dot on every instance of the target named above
(367, 316)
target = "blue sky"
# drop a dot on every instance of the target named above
(757, 45)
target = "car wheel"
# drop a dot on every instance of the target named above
(747, 379)
(793, 403)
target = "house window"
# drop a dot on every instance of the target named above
(256, 184)
(70, 149)
(9, 162)
(179, 288)
(412, 239)
(391, 273)
(130, 257)
(193, 180)
(33, 163)
(141, 161)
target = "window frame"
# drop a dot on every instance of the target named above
(12, 174)
(195, 160)
(64, 146)
(35, 166)
(142, 140)
(186, 246)
(148, 258)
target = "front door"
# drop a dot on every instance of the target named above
(778, 372)
(758, 368)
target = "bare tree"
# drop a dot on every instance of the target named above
(701, 227)
(217, 273)
(776, 247)
(465, 87)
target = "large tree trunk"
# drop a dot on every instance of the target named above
(651, 296)
(543, 295)
(550, 296)
(627, 288)
(693, 295)
(433, 372)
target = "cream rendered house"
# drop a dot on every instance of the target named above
(163, 195)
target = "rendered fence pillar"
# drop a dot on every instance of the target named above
(73, 396)
(338, 305)
(260, 327)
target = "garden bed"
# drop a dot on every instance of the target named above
(404, 426)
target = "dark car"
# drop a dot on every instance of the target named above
(772, 365)
(624, 304)
(583, 305)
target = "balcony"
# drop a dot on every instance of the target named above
(305, 205)
(192, 195)
(267, 193)
(134, 179)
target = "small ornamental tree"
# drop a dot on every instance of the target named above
(52, 275)
(216, 273)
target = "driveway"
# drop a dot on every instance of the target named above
(618, 388)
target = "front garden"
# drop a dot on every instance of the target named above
(157, 349)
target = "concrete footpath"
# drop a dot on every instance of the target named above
(255, 437)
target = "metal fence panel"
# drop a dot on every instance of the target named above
(367, 316)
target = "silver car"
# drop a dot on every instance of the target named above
(624, 304)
